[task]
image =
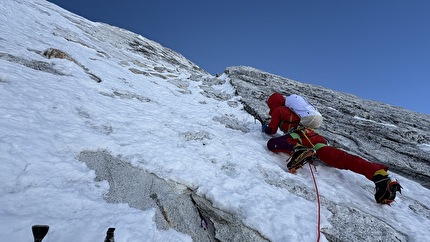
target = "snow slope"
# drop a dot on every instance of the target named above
(162, 117)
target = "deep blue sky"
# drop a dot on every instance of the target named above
(375, 49)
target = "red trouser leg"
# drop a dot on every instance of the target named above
(343, 160)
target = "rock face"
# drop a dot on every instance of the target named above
(378, 132)
(177, 206)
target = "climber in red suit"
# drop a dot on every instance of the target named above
(287, 121)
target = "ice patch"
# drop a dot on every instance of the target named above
(425, 147)
(372, 121)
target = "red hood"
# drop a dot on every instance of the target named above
(275, 100)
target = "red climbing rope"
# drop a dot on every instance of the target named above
(318, 200)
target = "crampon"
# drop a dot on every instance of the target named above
(389, 194)
(301, 155)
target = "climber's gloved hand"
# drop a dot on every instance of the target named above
(263, 128)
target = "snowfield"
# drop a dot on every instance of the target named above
(172, 120)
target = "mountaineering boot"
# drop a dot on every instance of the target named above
(300, 156)
(385, 189)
